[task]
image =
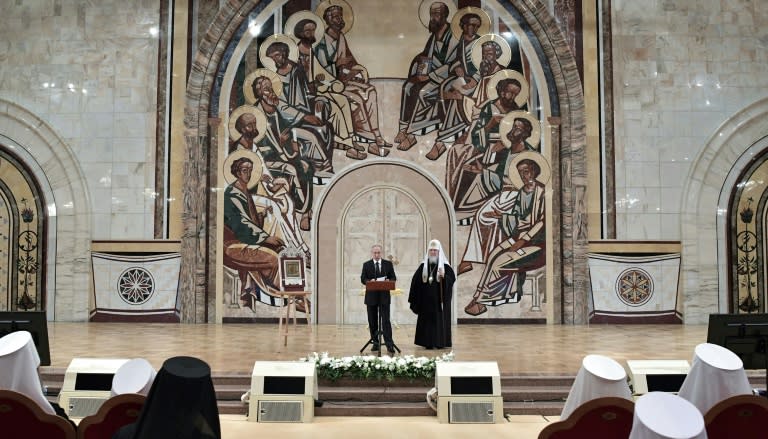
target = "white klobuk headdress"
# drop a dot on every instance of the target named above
(442, 261)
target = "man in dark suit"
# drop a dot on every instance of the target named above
(377, 302)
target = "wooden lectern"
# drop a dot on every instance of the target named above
(379, 286)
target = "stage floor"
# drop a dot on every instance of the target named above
(324, 427)
(518, 349)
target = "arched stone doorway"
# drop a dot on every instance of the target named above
(358, 209)
(747, 227)
(23, 238)
(709, 185)
(208, 84)
(67, 209)
(394, 218)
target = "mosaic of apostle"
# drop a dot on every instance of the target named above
(305, 106)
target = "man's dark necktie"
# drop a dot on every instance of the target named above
(377, 270)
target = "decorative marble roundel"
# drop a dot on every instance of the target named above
(634, 286)
(135, 285)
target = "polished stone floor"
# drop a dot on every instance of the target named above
(323, 427)
(518, 349)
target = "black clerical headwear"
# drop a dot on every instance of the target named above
(181, 404)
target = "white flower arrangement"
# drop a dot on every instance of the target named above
(374, 367)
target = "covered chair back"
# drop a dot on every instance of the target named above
(135, 376)
(608, 417)
(662, 415)
(741, 417)
(716, 374)
(18, 362)
(22, 418)
(118, 411)
(598, 377)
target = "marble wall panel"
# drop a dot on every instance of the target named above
(115, 289)
(707, 89)
(129, 176)
(89, 71)
(706, 192)
(692, 66)
(67, 206)
(606, 285)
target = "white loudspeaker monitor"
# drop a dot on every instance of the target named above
(87, 385)
(657, 375)
(469, 392)
(283, 391)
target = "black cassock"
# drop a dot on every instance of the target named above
(431, 301)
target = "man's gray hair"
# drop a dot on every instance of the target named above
(495, 45)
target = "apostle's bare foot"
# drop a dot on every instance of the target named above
(464, 267)
(401, 135)
(382, 143)
(306, 221)
(377, 150)
(406, 144)
(355, 154)
(474, 308)
(437, 150)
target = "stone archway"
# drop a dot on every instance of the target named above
(62, 183)
(23, 226)
(707, 191)
(570, 280)
(328, 238)
(746, 226)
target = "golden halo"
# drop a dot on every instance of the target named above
(293, 50)
(346, 10)
(258, 167)
(261, 121)
(426, 4)
(477, 50)
(490, 89)
(506, 124)
(514, 176)
(294, 19)
(277, 85)
(485, 21)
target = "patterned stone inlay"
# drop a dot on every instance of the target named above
(136, 285)
(634, 286)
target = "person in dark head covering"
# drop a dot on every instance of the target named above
(181, 404)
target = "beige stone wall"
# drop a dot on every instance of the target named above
(682, 68)
(689, 96)
(89, 70)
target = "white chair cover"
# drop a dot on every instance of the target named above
(661, 415)
(598, 377)
(135, 376)
(716, 374)
(18, 368)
